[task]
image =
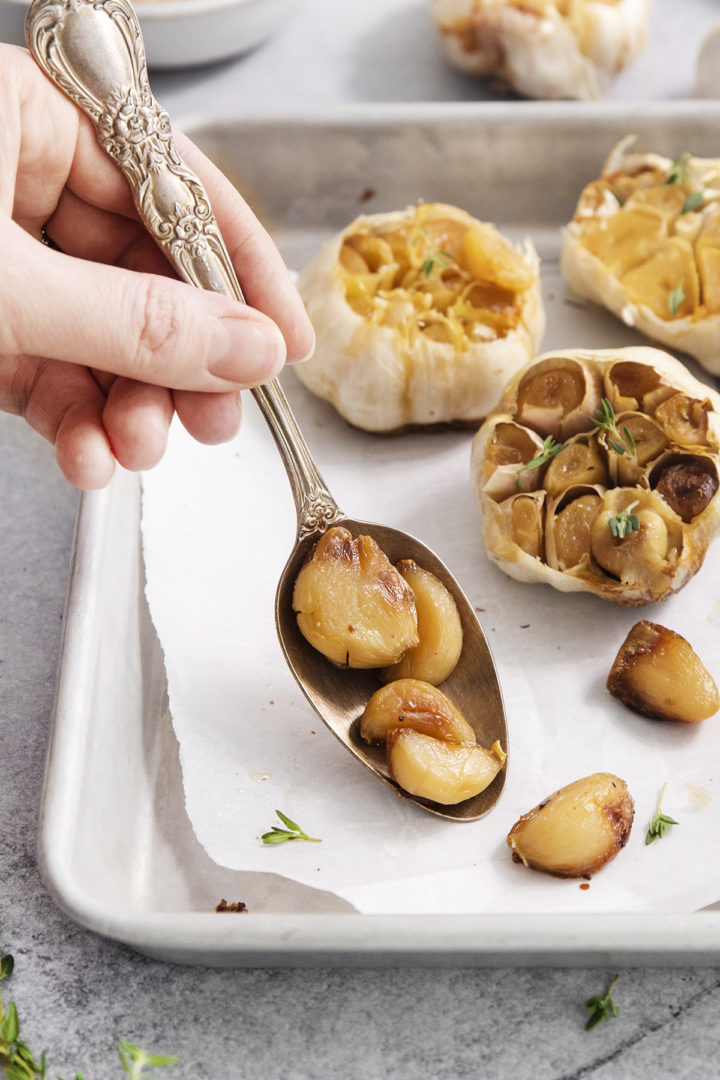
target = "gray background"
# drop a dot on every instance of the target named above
(78, 993)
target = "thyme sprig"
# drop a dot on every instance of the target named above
(291, 832)
(693, 202)
(679, 173)
(434, 257)
(676, 297)
(604, 420)
(17, 1062)
(549, 450)
(660, 822)
(601, 1006)
(625, 522)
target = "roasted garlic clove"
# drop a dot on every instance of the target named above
(352, 604)
(420, 317)
(543, 48)
(644, 242)
(556, 395)
(658, 673)
(687, 482)
(439, 629)
(625, 508)
(410, 703)
(442, 771)
(569, 527)
(576, 830)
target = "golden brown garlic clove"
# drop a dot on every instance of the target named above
(637, 553)
(581, 462)
(352, 604)
(442, 771)
(657, 672)
(577, 829)
(556, 396)
(687, 483)
(569, 527)
(410, 703)
(439, 629)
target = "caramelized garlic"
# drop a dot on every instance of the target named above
(658, 673)
(599, 471)
(576, 830)
(420, 317)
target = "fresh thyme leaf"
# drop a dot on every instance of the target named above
(10, 1025)
(693, 202)
(7, 964)
(604, 420)
(293, 832)
(134, 1060)
(601, 1006)
(625, 522)
(675, 299)
(549, 449)
(433, 257)
(678, 172)
(660, 822)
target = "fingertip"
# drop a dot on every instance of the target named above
(211, 419)
(137, 419)
(85, 456)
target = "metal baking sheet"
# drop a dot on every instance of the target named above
(116, 847)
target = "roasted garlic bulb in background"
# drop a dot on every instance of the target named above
(658, 673)
(599, 472)
(576, 830)
(544, 48)
(420, 316)
(645, 243)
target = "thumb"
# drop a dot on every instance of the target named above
(144, 326)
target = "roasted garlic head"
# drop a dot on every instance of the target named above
(544, 48)
(352, 604)
(645, 243)
(658, 673)
(420, 318)
(576, 830)
(599, 472)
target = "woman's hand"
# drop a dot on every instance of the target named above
(99, 343)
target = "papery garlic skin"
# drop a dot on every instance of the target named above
(633, 243)
(420, 318)
(552, 523)
(544, 48)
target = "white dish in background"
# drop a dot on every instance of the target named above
(183, 33)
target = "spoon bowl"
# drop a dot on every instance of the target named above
(93, 51)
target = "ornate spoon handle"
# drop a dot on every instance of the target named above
(93, 50)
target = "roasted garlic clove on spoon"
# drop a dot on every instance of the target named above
(440, 770)
(439, 629)
(352, 604)
(658, 673)
(598, 471)
(544, 48)
(644, 242)
(420, 316)
(576, 830)
(414, 704)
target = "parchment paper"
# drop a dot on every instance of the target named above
(218, 526)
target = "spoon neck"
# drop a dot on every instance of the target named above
(315, 506)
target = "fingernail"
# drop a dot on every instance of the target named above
(245, 351)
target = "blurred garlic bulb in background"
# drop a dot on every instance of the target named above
(544, 48)
(645, 243)
(421, 316)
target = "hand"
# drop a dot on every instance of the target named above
(99, 343)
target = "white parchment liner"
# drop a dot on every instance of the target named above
(218, 526)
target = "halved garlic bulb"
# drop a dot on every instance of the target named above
(625, 508)
(544, 48)
(645, 243)
(420, 317)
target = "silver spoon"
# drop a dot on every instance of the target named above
(93, 50)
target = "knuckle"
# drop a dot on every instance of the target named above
(158, 324)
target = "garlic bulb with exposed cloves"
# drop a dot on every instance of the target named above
(544, 48)
(645, 243)
(420, 316)
(599, 472)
